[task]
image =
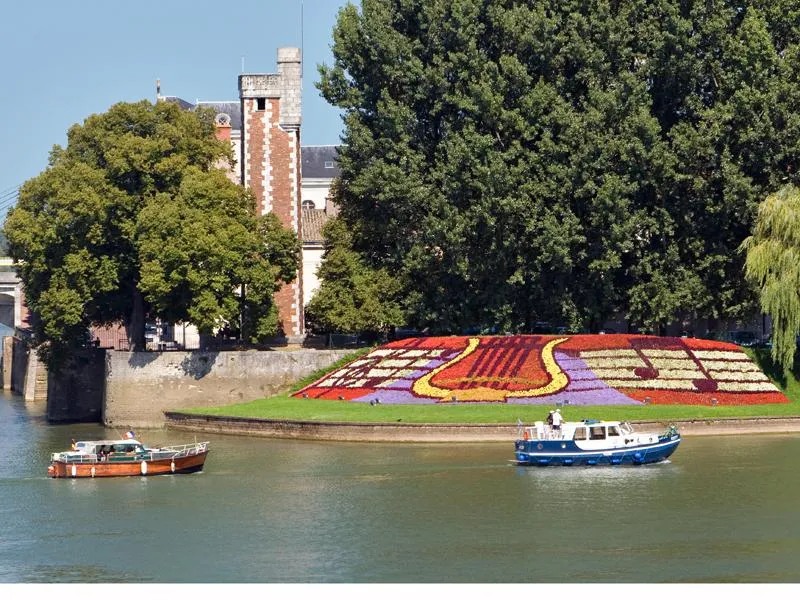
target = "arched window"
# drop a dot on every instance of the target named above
(308, 204)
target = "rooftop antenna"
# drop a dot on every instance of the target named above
(158, 89)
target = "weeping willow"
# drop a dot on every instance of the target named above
(773, 265)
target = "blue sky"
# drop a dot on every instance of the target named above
(61, 61)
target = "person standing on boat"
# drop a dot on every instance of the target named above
(557, 420)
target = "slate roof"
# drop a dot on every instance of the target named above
(313, 221)
(179, 101)
(233, 109)
(316, 157)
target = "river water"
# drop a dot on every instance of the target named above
(725, 509)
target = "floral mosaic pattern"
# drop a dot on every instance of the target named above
(535, 369)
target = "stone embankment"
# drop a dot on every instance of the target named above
(415, 432)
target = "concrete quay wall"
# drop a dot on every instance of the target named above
(341, 432)
(416, 432)
(141, 386)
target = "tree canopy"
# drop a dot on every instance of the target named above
(352, 297)
(134, 220)
(516, 161)
(773, 265)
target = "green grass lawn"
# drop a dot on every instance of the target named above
(285, 407)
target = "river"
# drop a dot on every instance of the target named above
(724, 509)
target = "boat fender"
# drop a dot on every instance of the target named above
(172, 466)
(51, 470)
(144, 468)
(74, 470)
(93, 471)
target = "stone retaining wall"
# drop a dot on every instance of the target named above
(20, 357)
(414, 432)
(341, 432)
(75, 393)
(141, 386)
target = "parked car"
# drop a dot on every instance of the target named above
(742, 337)
(401, 333)
(346, 340)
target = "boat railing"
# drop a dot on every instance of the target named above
(75, 458)
(186, 449)
(670, 432)
(542, 433)
(179, 451)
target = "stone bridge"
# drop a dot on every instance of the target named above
(13, 312)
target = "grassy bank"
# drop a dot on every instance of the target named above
(285, 407)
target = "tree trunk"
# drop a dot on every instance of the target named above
(135, 325)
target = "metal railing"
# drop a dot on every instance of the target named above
(179, 451)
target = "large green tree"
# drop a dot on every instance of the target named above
(133, 219)
(352, 297)
(514, 161)
(773, 265)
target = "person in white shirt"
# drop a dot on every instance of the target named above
(557, 420)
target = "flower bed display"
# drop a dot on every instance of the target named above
(542, 369)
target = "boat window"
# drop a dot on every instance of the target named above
(626, 428)
(613, 430)
(597, 433)
(580, 433)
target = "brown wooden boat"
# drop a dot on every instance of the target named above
(120, 458)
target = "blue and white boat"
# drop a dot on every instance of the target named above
(591, 442)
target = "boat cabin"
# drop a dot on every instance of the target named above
(590, 434)
(110, 447)
(586, 430)
(596, 430)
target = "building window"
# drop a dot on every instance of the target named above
(329, 164)
(261, 104)
(308, 204)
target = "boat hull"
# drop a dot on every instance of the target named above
(558, 453)
(127, 468)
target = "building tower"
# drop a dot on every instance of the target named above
(270, 162)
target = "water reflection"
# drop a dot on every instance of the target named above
(723, 509)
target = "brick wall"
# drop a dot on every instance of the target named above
(284, 154)
(271, 162)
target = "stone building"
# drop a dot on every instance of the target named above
(290, 180)
(319, 168)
